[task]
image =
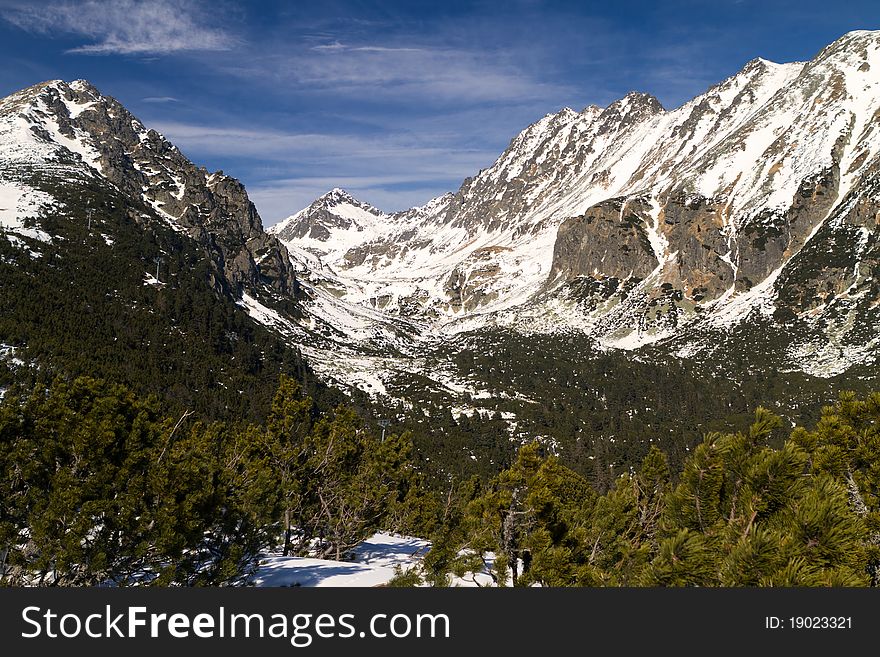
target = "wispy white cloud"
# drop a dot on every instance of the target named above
(289, 146)
(160, 99)
(341, 47)
(128, 27)
(329, 46)
(400, 73)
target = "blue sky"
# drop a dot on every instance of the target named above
(395, 101)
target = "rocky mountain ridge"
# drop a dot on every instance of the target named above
(633, 225)
(60, 129)
(741, 226)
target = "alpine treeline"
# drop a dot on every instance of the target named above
(98, 486)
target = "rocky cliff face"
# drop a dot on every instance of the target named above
(73, 123)
(609, 240)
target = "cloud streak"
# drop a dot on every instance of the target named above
(400, 73)
(160, 99)
(283, 146)
(125, 27)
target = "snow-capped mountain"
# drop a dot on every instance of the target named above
(758, 200)
(742, 226)
(71, 133)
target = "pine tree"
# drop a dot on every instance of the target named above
(285, 447)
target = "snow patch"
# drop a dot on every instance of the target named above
(19, 202)
(74, 109)
(373, 564)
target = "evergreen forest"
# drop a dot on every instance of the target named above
(101, 485)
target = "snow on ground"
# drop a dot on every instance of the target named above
(373, 565)
(19, 202)
(7, 353)
(263, 314)
(826, 359)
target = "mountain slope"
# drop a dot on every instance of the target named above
(119, 258)
(59, 130)
(754, 202)
(614, 271)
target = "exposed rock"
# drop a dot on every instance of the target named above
(694, 229)
(608, 241)
(213, 208)
(770, 237)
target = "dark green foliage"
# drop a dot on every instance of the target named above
(83, 308)
(352, 479)
(97, 486)
(529, 517)
(405, 578)
(743, 513)
(846, 445)
(328, 480)
(603, 410)
(450, 531)
(761, 515)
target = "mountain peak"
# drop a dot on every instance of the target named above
(329, 221)
(70, 132)
(859, 35)
(640, 96)
(62, 87)
(84, 86)
(758, 63)
(54, 96)
(851, 46)
(338, 195)
(635, 107)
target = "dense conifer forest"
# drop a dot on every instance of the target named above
(83, 305)
(100, 485)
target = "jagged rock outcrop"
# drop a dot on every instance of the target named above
(694, 230)
(608, 241)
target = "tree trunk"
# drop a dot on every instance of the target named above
(286, 551)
